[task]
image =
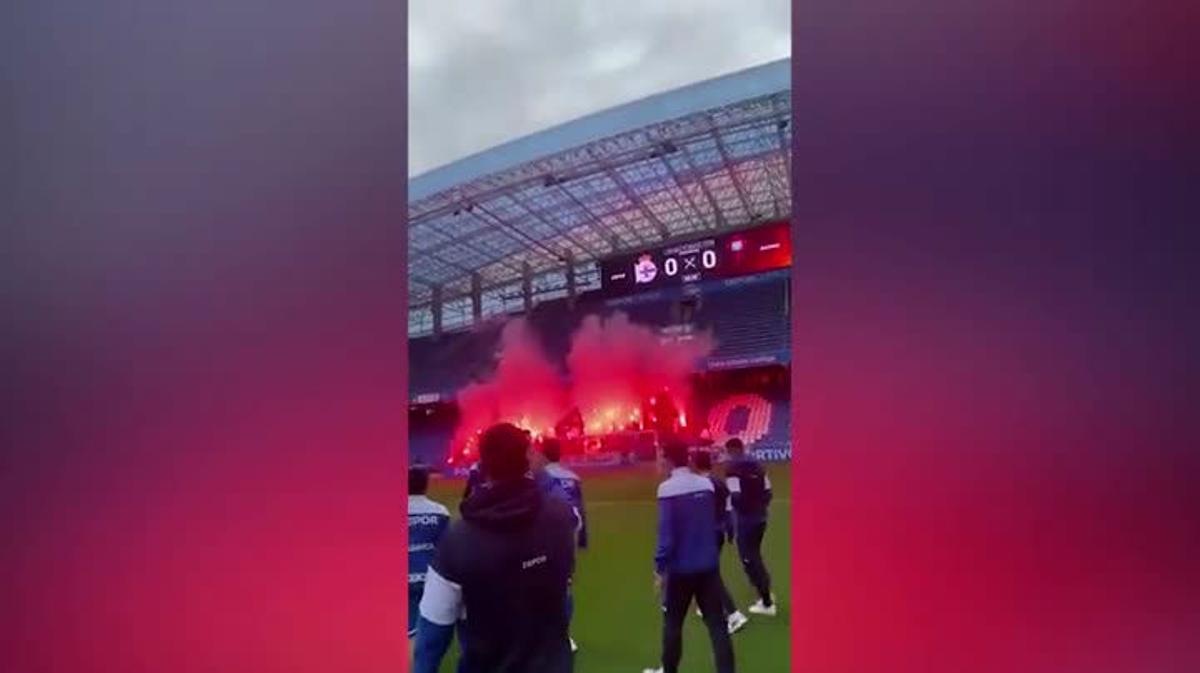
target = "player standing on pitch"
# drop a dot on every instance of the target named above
(506, 564)
(547, 485)
(572, 487)
(427, 521)
(568, 481)
(686, 561)
(702, 461)
(750, 494)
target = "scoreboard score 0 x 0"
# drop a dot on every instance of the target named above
(763, 248)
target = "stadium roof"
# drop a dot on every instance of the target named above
(704, 158)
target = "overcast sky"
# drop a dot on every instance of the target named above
(482, 72)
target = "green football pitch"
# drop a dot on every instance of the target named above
(617, 622)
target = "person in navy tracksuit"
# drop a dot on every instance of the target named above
(569, 482)
(427, 521)
(686, 562)
(571, 487)
(552, 486)
(750, 495)
(506, 565)
(703, 463)
(547, 485)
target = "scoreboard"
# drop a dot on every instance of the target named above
(740, 253)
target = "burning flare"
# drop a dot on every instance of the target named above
(614, 366)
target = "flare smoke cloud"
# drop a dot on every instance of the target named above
(612, 366)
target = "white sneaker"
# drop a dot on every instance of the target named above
(652, 670)
(574, 647)
(736, 621)
(759, 609)
(699, 613)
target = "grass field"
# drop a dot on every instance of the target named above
(618, 623)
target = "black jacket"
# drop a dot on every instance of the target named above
(724, 515)
(512, 553)
(749, 490)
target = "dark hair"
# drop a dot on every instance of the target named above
(735, 446)
(503, 452)
(702, 459)
(418, 480)
(676, 452)
(551, 449)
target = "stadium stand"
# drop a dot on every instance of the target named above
(748, 320)
(523, 229)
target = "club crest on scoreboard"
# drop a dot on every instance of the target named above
(645, 271)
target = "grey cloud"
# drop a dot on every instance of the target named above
(487, 71)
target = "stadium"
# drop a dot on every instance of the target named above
(609, 281)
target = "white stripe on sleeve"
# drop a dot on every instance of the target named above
(768, 482)
(734, 484)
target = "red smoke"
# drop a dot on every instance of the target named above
(526, 389)
(613, 367)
